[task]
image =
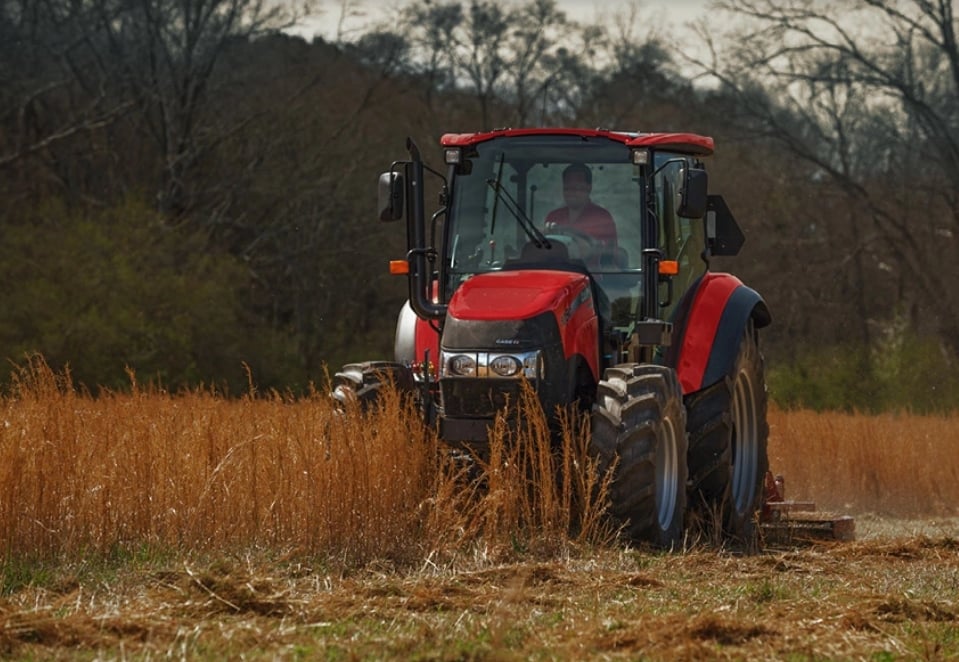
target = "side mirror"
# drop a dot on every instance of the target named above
(391, 196)
(723, 234)
(692, 195)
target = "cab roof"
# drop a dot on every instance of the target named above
(684, 143)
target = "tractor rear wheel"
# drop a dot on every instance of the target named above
(362, 383)
(639, 433)
(728, 444)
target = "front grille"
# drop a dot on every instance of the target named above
(478, 397)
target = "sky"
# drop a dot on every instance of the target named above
(666, 15)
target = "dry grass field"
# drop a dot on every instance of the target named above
(148, 524)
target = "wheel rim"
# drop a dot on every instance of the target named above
(667, 476)
(745, 443)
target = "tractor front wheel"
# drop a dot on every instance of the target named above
(639, 434)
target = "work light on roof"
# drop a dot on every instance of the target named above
(640, 156)
(453, 155)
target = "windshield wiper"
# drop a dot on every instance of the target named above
(537, 237)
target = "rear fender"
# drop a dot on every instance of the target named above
(712, 323)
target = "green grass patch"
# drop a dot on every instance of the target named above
(905, 373)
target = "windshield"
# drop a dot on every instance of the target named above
(582, 194)
(561, 201)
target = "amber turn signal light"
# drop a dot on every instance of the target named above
(668, 267)
(399, 267)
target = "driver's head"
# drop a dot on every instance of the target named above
(577, 185)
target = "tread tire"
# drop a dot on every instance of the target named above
(639, 430)
(728, 444)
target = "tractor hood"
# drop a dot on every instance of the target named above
(543, 316)
(520, 295)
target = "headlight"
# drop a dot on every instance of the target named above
(505, 366)
(462, 365)
(492, 365)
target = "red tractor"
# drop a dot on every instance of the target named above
(607, 303)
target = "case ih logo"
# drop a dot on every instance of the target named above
(507, 341)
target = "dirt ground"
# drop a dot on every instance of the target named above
(891, 594)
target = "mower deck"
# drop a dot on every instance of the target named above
(795, 522)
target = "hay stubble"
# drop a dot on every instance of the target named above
(190, 525)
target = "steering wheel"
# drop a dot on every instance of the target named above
(597, 255)
(590, 242)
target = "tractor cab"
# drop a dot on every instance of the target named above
(572, 202)
(613, 206)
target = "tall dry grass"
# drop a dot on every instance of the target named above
(891, 464)
(198, 472)
(534, 487)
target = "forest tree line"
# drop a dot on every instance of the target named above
(188, 192)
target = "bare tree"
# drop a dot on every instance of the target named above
(504, 55)
(527, 63)
(167, 51)
(868, 93)
(481, 53)
(539, 31)
(87, 63)
(431, 28)
(51, 88)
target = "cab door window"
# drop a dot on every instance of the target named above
(680, 239)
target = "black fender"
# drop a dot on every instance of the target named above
(744, 303)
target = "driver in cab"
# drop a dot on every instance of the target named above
(580, 217)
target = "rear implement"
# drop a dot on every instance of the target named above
(785, 522)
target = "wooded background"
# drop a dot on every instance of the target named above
(186, 191)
